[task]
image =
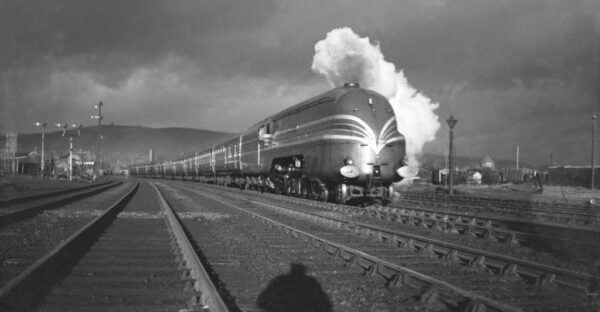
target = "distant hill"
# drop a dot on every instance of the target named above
(124, 145)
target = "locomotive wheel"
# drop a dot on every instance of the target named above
(324, 196)
(304, 188)
(390, 193)
(287, 187)
(317, 190)
(293, 188)
(341, 193)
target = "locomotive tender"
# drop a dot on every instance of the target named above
(341, 145)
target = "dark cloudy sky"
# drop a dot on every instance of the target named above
(514, 72)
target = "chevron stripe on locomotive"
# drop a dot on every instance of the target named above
(342, 145)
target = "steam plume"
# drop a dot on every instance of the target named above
(343, 57)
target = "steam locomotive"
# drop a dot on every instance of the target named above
(342, 145)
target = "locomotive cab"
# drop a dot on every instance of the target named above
(371, 149)
(342, 145)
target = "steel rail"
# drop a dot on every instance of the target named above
(210, 299)
(16, 215)
(454, 223)
(539, 273)
(393, 274)
(544, 210)
(478, 220)
(29, 198)
(477, 198)
(457, 223)
(451, 222)
(15, 291)
(534, 272)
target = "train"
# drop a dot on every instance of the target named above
(342, 146)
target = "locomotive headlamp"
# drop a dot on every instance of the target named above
(349, 170)
(376, 171)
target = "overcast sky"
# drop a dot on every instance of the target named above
(513, 72)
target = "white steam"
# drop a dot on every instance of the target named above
(345, 57)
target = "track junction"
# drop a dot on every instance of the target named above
(181, 246)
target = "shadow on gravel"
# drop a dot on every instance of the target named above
(579, 248)
(294, 292)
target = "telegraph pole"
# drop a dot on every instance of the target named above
(596, 60)
(43, 125)
(98, 162)
(71, 136)
(451, 123)
(593, 149)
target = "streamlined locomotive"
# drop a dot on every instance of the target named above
(342, 145)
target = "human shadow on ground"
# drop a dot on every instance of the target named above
(294, 292)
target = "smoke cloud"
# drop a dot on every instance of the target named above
(343, 57)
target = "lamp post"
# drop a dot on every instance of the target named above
(451, 123)
(43, 125)
(98, 163)
(71, 135)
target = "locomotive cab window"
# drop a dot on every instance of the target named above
(264, 133)
(264, 129)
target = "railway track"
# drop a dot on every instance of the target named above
(251, 261)
(575, 249)
(556, 238)
(458, 276)
(582, 245)
(579, 248)
(24, 207)
(37, 194)
(556, 214)
(134, 256)
(25, 241)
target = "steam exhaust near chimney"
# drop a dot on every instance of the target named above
(344, 56)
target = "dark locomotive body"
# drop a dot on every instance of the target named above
(342, 144)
